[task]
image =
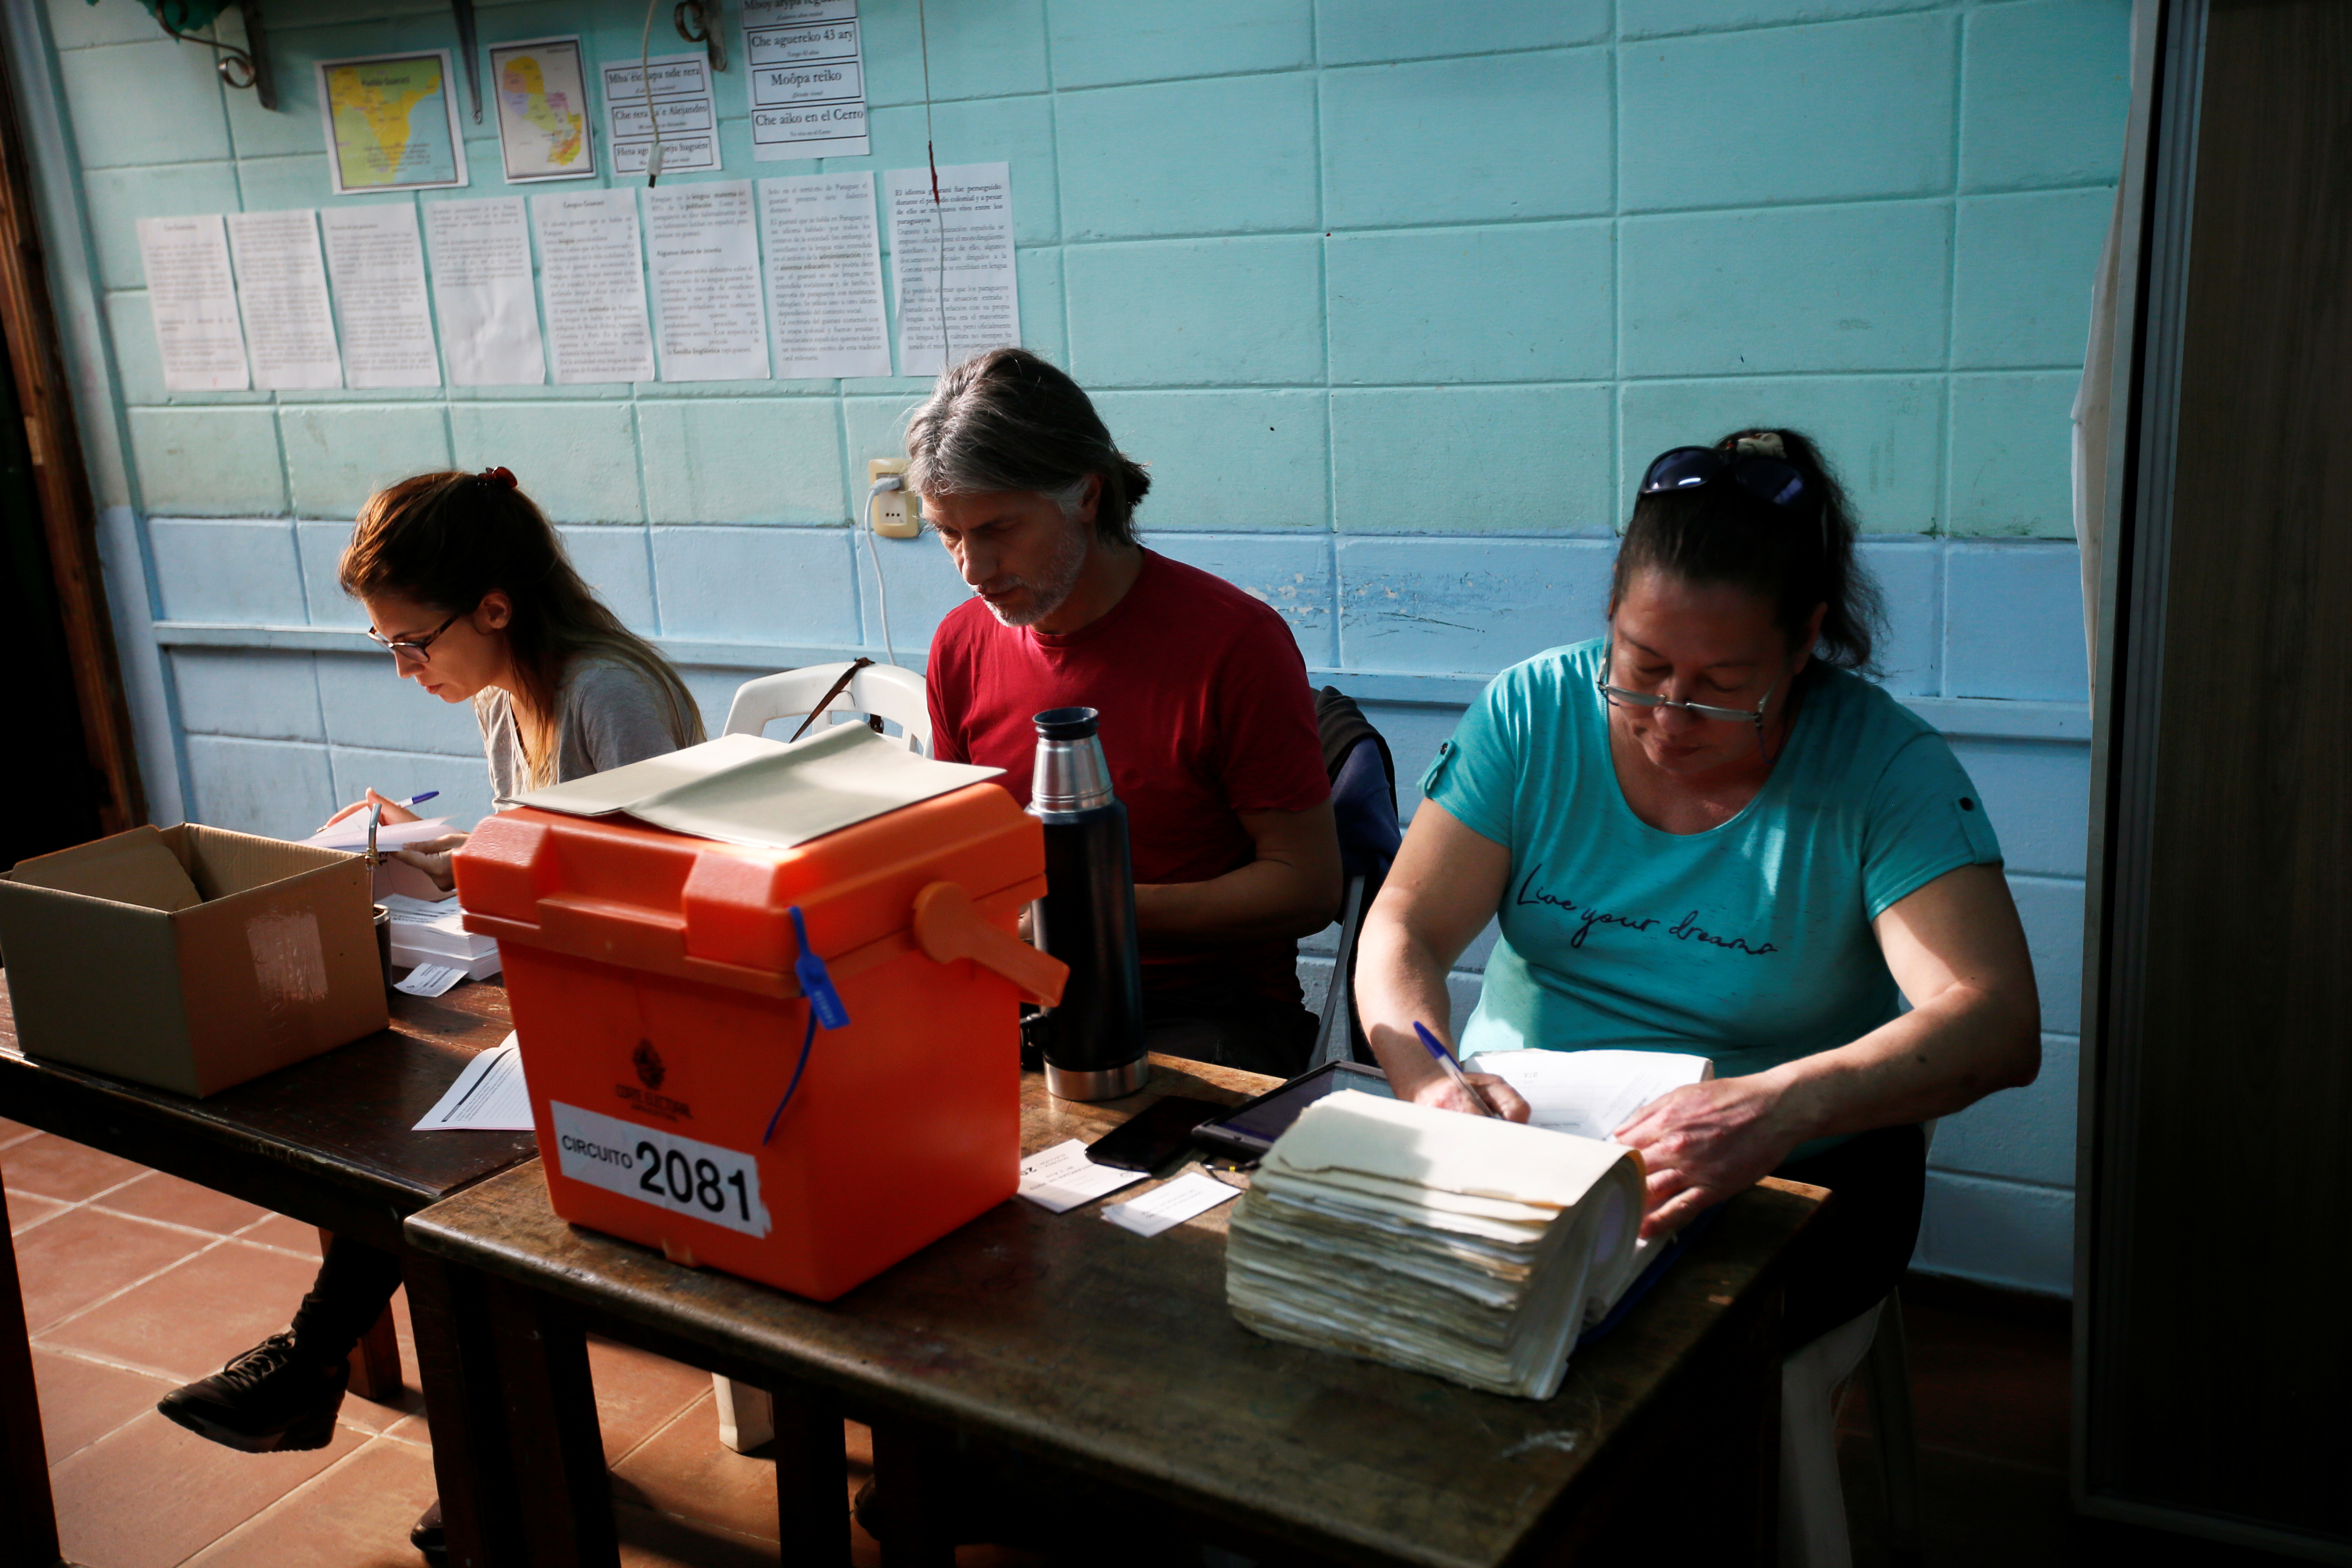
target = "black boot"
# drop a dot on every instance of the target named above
(428, 1537)
(272, 1399)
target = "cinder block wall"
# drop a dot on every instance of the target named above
(1396, 301)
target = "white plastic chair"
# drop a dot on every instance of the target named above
(883, 690)
(1813, 1497)
(747, 1415)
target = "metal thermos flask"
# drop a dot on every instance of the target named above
(1094, 1041)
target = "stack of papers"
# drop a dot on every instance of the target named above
(431, 932)
(1459, 1246)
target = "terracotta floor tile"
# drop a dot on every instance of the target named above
(277, 1230)
(25, 1210)
(187, 1323)
(638, 1392)
(53, 1167)
(151, 1494)
(412, 1428)
(1990, 1388)
(651, 1540)
(356, 1515)
(174, 1202)
(83, 1256)
(10, 1132)
(683, 1470)
(82, 1401)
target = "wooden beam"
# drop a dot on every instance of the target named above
(61, 482)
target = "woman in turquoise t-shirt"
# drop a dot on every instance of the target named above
(1706, 832)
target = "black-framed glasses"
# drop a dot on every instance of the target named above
(418, 648)
(1767, 478)
(1617, 696)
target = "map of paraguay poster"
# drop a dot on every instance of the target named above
(391, 124)
(541, 89)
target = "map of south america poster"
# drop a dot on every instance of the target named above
(541, 89)
(391, 124)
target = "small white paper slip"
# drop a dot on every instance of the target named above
(430, 980)
(1059, 1179)
(490, 1095)
(1165, 1207)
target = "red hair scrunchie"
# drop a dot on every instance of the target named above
(502, 478)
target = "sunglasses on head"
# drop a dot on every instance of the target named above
(1688, 468)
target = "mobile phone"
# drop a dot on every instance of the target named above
(1153, 1135)
(1248, 1131)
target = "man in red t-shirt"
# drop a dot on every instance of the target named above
(1208, 723)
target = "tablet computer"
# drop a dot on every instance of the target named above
(1250, 1129)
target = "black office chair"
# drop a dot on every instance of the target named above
(1363, 800)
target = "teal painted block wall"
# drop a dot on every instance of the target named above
(1395, 306)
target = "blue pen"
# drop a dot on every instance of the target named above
(1454, 1070)
(416, 799)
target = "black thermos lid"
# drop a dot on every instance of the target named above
(1066, 723)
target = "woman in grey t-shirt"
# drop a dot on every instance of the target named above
(468, 584)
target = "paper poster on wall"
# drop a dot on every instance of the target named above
(392, 122)
(482, 289)
(281, 293)
(679, 102)
(952, 265)
(542, 95)
(377, 264)
(704, 255)
(192, 297)
(591, 279)
(806, 64)
(824, 275)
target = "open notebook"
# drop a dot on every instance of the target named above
(1459, 1246)
(1590, 1093)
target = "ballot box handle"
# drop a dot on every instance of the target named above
(950, 929)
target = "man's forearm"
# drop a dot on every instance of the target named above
(1264, 900)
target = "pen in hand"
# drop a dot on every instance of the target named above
(1444, 1059)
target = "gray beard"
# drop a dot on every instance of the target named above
(1054, 587)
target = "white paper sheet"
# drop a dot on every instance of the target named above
(1169, 1206)
(281, 292)
(377, 263)
(351, 833)
(1590, 1093)
(431, 980)
(806, 64)
(705, 260)
(490, 1095)
(482, 287)
(680, 104)
(824, 275)
(1059, 1179)
(192, 297)
(980, 306)
(591, 279)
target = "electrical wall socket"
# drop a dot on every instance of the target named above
(895, 514)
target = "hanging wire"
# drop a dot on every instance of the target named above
(939, 214)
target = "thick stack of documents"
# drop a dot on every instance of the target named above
(1454, 1244)
(426, 933)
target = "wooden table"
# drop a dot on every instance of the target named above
(326, 1142)
(1101, 1354)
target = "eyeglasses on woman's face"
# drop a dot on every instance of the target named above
(1620, 697)
(415, 650)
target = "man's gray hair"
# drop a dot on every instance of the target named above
(1006, 420)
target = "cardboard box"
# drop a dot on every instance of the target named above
(257, 955)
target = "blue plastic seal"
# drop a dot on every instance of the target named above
(816, 981)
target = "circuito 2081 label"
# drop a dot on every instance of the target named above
(684, 1175)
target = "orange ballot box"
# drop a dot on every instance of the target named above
(796, 1061)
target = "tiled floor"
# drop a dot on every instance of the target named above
(135, 1281)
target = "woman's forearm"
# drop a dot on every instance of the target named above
(1940, 1057)
(1401, 979)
